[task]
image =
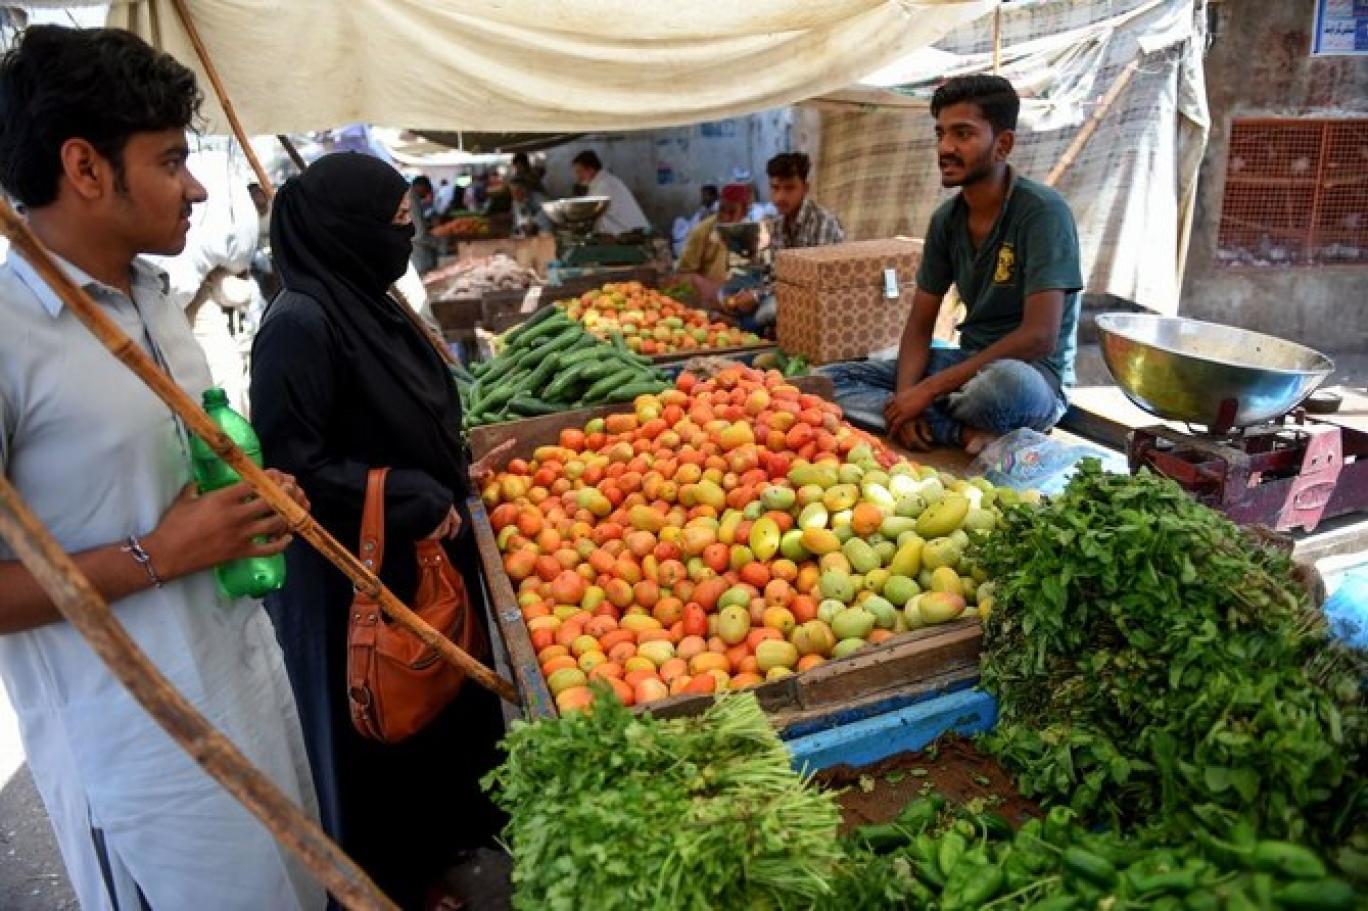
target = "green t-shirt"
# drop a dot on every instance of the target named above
(1032, 247)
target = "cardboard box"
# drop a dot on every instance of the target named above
(833, 303)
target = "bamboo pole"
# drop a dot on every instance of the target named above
(1071, 153)
(85, 610)
(195, 418)
(224, 101)
(290, 150)
(997, 38)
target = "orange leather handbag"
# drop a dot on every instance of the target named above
(396, 683)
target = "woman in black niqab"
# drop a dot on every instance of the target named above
(342, 382)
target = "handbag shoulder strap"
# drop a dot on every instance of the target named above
(372, 552)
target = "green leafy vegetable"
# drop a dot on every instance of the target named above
(1152, 664)
(615, 811)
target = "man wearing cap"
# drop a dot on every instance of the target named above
(704, 259)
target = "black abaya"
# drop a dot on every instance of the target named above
(341, 383)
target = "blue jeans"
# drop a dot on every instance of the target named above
(1002, 397)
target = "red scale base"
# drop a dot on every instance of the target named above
(1293, 473)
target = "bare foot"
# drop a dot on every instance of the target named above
(975, 441)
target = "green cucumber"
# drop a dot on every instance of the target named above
(537, 317)
(612, 381)
(632, 390)
(529, 406)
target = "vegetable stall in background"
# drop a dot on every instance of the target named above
(551, 364)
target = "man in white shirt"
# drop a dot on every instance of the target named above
(92, 143)
(623, 213)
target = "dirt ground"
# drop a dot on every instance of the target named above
(876, 793)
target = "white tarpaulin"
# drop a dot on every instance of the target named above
(1131, 189)
(540, 65)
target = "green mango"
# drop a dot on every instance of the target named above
(941, 552)
(875, 580)
(849, 474)
(853, 623)
(886, 551)
(943, 517)
(822, 475)
(847, 647)
(828, 609)
(814, 515)
(908, 559)
(898, 590)
(861, 556)
(885, 614)
(945, 579)
(909, 507)
(837, 584)
(780, 499)
(791, 546)
(896, 525)
(877, 477)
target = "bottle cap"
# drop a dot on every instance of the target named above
(214, 397)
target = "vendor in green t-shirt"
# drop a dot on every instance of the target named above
(1009, 246)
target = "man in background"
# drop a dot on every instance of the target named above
(444, 197)
(705, 261)
(800, 223)
(526, 207)
(210, 280)
(426, 248)
(623, 213)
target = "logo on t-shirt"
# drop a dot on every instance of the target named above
(1006, 265)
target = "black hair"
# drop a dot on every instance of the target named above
(709, 188)
(422, 182)
(993, 95)
(789, 164)
(99, 84)
(589, 159)
(521, 158)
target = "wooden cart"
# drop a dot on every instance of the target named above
(877, 681)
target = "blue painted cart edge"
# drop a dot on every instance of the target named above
(907, 729)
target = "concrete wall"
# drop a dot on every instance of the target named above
(665, 168)
(1260, 65)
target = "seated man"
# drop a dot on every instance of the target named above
(800, 223)
(526, 207)
(1010, 247)
(705, 262)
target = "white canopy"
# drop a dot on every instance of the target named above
(540, 65)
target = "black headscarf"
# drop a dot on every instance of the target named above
(333, 239)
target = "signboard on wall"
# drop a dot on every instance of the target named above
(1341, 28)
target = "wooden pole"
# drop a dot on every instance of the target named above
(291, 151)
(997, 38)
(1071, 153)
(85, 610)
(224, 101)
(195, 418)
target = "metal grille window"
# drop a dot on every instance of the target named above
(1296, 194)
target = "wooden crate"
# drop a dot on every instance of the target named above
(940, 657)
(502, 310)
(576, 285)
(457, 316)
(679, 357)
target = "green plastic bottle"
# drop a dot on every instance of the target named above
(250, 577)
